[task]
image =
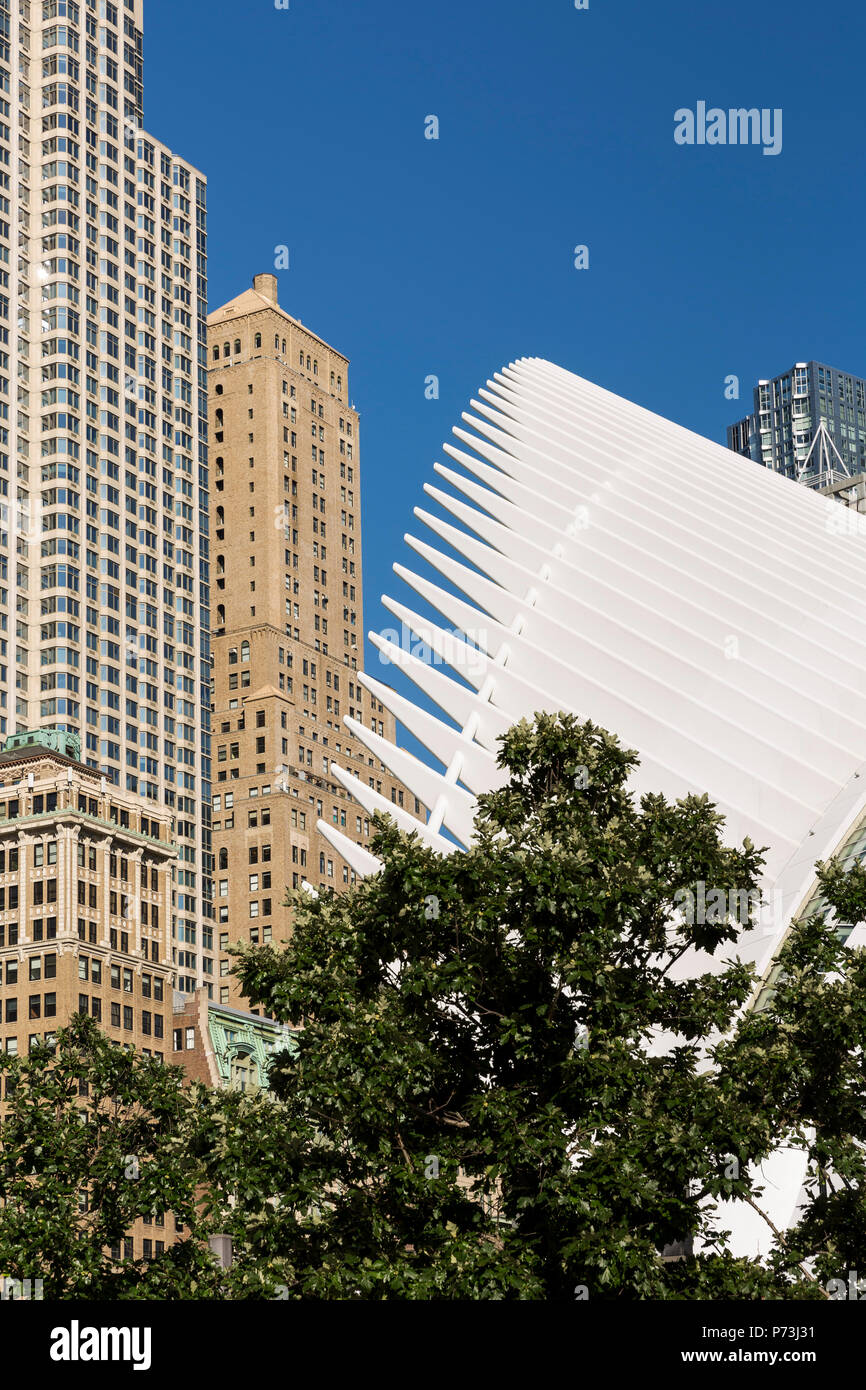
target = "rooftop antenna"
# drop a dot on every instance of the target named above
(827, 465)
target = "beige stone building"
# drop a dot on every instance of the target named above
(287, 618)
(85, 901)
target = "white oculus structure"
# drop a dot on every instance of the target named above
(708, 611)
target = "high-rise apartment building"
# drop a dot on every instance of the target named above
(809, 423)
(104, 584)
(287, 618)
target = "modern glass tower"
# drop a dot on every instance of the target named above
(104, 584)
(809, 423)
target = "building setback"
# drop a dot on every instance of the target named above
(287, 619)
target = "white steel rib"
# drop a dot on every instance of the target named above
(608, 562)
(627, 569)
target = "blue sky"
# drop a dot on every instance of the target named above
(452, 257)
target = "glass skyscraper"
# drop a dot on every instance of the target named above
(104, 582)
(809, 423)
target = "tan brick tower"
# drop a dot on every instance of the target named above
(287, 617)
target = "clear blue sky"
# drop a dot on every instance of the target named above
(556, 128)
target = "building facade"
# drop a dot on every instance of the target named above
(808, 423)
(287, 620)
(85, 901)
(104, 583)
(224, 1047)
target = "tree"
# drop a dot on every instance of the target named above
(479, 1107)
(504, 1086)
(91, 1140)
(801, 1059)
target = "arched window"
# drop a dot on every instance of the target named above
(221, 615)
(216, 352)
(245, 651)
(219, 389)
(339, 383)
(308, 364)
(332, 378)
(244, 1072)
(219, 418)
(223, 859)
(233, 656)
(283, 349)
(258, 340)
(302, 357)
(237, 346)
(315, 369)
(227, 352)
(276, 342)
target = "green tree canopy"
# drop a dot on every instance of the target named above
(93, 1138)
(506, 1085)
(479, 1107)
